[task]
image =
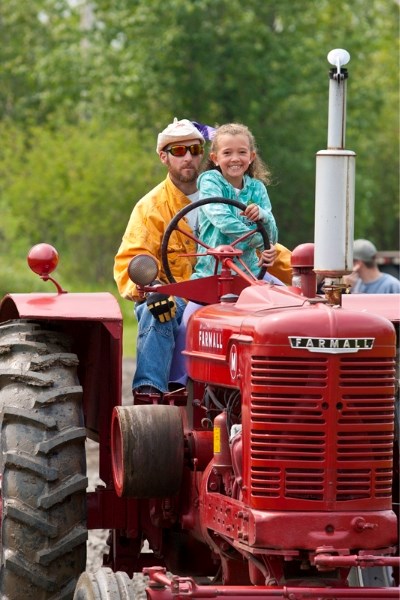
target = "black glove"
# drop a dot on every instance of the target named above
(161, 306)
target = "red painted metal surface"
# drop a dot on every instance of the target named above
(362, 560)
(99, 306)
(317, 412)
(208, 290)
(94, 322)
(385, 305)
(43, 259)
(161, 587)
(307, 477)
(303, 256)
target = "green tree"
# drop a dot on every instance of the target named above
(75, 189)
(85, 86)
(263, 63)
(41, 71)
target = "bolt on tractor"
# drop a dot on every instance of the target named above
(272, 474)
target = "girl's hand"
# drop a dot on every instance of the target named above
(267, 257)
(252, 212)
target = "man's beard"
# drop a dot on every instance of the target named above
(178, 175)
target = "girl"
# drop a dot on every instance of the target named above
(234, 170)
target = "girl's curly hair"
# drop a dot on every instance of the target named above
(257, 168)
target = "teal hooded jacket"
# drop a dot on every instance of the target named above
(222, 224)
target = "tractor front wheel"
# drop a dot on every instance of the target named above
(104, 584)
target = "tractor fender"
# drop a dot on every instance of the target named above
(384, 305)
(94, 322)
(93, 306)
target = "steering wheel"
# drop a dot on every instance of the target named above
(173, 226)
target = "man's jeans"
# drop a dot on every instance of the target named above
(155, 347)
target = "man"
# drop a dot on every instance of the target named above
(180, 147)
(366, 277)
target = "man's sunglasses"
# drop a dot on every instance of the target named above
(194, 149)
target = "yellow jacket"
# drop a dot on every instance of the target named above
(282, 268)
(144, 233)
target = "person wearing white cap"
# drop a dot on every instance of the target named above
(180, 147)
(366, 277)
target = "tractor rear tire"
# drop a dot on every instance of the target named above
(43, 465)
(104, 584)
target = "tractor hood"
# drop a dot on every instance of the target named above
(272, 321)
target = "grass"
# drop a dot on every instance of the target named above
(129, 336)
(15, 277)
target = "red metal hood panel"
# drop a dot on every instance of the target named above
(275, 328)
(386, 305)
(319, 322)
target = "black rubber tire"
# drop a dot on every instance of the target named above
(104, 584)
(43, 465)
(147, 449)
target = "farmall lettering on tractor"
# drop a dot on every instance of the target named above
(273, 474)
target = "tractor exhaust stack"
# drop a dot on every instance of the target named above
(335, 186)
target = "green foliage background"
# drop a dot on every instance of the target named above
(86, 86)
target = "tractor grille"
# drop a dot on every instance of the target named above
(321, 428)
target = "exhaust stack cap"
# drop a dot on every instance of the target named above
(338, 58)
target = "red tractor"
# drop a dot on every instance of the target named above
(272, 474)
